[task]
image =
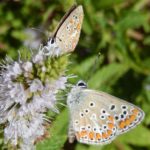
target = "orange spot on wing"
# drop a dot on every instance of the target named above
(109, 132)
(135, 111)
(122, 124)
(132, 118)
(110, 125)
(91, 135)
(111, 118)
(105, 135)
(98, 136)
(78, 26)
(127, 122)
(83, 133)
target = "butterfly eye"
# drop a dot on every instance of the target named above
(52, 40)
(82, 84)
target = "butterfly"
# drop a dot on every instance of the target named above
(66, 35)
(97, 117)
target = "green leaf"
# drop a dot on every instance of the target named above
(139, 136)
(132, 20)
(81, 146)
(58, 133)
(87, 28)
(105, 3)
(56, 143)
(89, 65)
(107, 75)
(147, 40)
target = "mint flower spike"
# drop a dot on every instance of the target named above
(28, 89)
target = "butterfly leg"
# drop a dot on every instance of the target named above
(71, 133)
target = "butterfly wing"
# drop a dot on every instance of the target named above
(99, 117)
(68, 32)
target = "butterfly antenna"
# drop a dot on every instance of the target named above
(93, 68)
(39, 30)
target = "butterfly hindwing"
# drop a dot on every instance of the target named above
(97, 117)
(125, 114)
(68, 32)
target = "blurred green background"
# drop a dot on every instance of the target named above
(119, 30)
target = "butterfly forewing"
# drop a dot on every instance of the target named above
(67, 34)
(98, 117)
(64, 18)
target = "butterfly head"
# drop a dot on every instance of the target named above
(76, 93)
(81, 84)
(52, 40)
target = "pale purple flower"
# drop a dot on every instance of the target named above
(26, 93)
(27, 66)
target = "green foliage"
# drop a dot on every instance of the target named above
(58, 133)
(54, 68)
(119, 30)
